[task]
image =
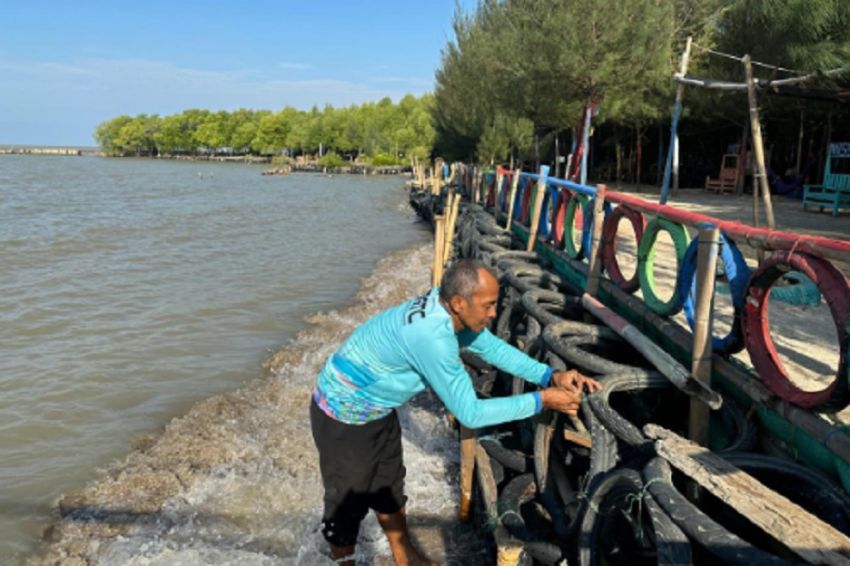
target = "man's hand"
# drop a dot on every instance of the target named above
(561, 400)
(571, 380)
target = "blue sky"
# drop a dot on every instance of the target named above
(67, 66)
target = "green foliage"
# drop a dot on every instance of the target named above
(384, 160)
(331, 159)
(370, 129)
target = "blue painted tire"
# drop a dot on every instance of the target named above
(738, 275)
(587, 225)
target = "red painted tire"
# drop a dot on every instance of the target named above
(609, 245)
(491, 192)
(525, 213)
(558, 218)
(834, 287)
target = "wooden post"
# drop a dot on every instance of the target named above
(538, 205)
(594, 270)
(742, 160)
(476, 176)
(436, 183)
(500, 177)
(673, 148)
(758, 143)
(454, 200)
(709, 242)
(439, 243)
(799, 162)
(467, 468)
(512, 197)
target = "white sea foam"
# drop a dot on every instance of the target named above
(262, 503)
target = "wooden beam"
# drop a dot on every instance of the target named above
(512, 197)
(508, 549)
(595, 259)
(467, 468)
(758, 143)
(709, 242)
(439, 243)
(813, 540)
(540, 191)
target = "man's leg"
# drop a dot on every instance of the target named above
(340, 552)
(388, 497)
(346, 483)
(395, 528)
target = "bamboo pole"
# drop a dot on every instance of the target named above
(467, 468)
(673, 148)
(439, 243)
(512, 197)
(709, 242)
(435, 181)
(454, 199)
(664, 362)
(799, 162)
(742, 160)
(538, 205)
(758, 143)
(500, 177)
(594, 261)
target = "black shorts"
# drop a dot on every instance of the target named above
(361, 468)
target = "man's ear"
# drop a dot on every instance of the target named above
(458, 303)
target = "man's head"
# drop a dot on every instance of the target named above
(470, 291)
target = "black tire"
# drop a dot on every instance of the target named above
(699, 527)
(608, 502)
(511, 459)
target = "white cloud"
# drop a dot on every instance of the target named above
(294, 66)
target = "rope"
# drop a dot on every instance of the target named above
(756, 63)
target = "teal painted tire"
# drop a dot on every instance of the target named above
(577, 203)
(646, 263)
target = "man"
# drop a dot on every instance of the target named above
(386, 361)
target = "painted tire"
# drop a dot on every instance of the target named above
(504, 191)
(609, 245)
(546, 213)
(520, 190)
(525, 208)
(576, 204)
(558, 218)
(801, 292)
(646, 263)
(737, 273)
(491, 192)
(587, 227)
(834, 288)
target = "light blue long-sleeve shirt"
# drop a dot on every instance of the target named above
(399, 352)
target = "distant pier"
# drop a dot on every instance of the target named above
(28, 150)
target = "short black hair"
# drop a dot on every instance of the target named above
(462, 278)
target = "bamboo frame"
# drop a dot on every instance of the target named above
(709, 243)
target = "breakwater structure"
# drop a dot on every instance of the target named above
(28, 150)
(687, 455)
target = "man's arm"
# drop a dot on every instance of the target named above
(507, 358)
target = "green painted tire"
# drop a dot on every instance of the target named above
(646, 263)
(577, 202)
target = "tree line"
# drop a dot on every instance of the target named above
(518, 73)
(384, 132)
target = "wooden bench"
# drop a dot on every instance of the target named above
(834, 192)
(728, 179)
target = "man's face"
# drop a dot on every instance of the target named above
(478, 313)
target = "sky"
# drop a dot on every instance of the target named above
(67, 66)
